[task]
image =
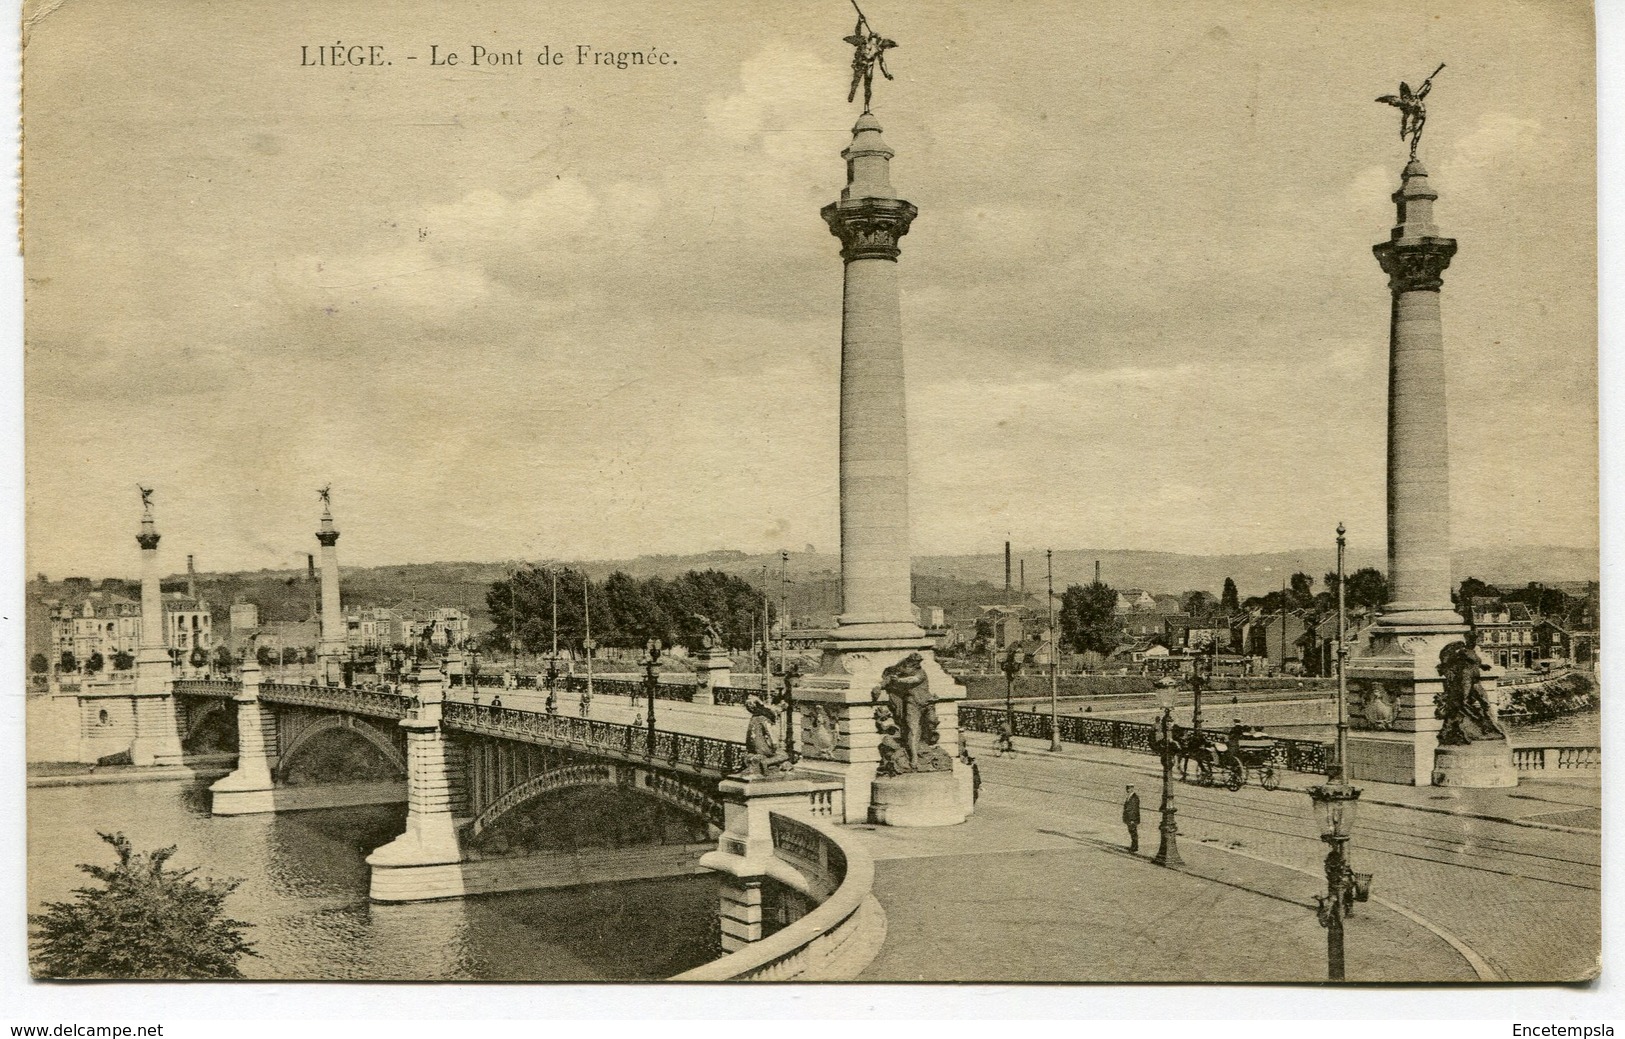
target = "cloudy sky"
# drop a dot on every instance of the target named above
(583, 312)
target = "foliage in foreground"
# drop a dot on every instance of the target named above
(145, 922)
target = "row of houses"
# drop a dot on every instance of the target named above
(1293, 641)
(108, 623)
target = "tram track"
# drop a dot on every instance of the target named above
(1569, 873)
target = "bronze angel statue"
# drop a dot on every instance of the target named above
(868, 51)
(1413, 112)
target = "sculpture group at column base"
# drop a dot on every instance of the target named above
(920, 799)
(838, 733)
(1481, 765)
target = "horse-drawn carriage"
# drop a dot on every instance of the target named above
(1229, 760)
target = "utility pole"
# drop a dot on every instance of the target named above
(784, 611)
(1342, 770)
(766, 656)
(1054, 656)
(1283, 626)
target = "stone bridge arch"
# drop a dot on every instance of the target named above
(669, 789)
(198, 712)
(320, 726)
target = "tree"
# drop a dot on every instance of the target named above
(67, 662)
(1472, 588)
(39, 663)
(148, 921)
(1198, 603)
(223, 660)
(199, 657)
(1367, 586)
(1230, 599)
(95, 663)
(265, 656)
(1088, 621)
(123, 660)
(1303, 590)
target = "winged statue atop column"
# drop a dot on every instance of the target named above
(1413, 112)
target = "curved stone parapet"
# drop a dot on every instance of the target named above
(835, 941)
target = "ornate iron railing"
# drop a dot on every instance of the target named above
(224, 688)
(677, 751)
(1292, 754)
(374, 703)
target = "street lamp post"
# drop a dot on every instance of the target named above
(651, 680)
(1012, 664)
(1167, 749)
(1201, 668)
(587, 643)
(792, 674)
(1335, 805)
(1054, 658)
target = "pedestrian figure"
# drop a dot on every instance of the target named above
(975, 781)
(1007, 744)
(1131, 818)
(496, 702)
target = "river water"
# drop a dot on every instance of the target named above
(304, 890)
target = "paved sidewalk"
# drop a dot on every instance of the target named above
(1000, 900)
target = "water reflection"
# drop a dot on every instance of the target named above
(304, 889)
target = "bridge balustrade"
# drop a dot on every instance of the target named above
(374, 703)
(1544, 759)
(218, 687)
(677, 751)
(834, 941)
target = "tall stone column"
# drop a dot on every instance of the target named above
(334, 643)
(250, 788)
(876, 627)
(423, 862)
(1414, 259)
(869, 219)
(1396, 676)
(157, 738)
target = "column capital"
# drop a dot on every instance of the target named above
(1415, 264)
(147, 539)
(327, 538)
(869, 227)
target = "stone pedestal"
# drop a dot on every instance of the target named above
(1392, 684)
(744, 854)
(836, 714)
(1485, 764)
(712, 668)
(423, 862)
(250, 789)
(918, 799)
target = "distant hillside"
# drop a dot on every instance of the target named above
(959, 584)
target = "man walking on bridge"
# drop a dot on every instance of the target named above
(1131, 818)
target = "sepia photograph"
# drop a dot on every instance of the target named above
(1032, 492)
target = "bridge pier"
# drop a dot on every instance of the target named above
(250, 789)
(424, 862)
